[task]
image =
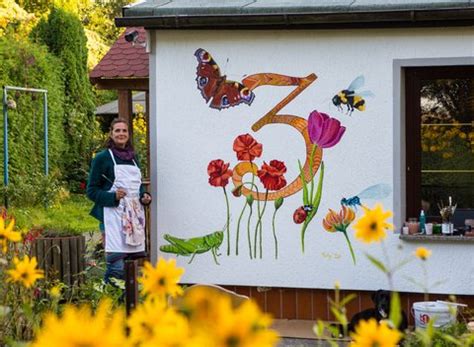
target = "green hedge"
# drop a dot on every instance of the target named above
(26, 64)
(64, 36)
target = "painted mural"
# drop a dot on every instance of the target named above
(256, 186)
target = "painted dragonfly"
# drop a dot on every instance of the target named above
(377, 191)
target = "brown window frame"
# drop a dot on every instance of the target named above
(413, 78)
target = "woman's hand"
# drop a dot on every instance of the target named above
(146, 199)
(120, 193)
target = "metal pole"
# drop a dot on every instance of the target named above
(5, 137)
(26, 89)
(45, 109)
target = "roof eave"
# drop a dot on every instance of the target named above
(317, 20)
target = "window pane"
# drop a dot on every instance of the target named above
(447, 142)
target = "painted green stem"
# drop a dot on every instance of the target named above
(350, 247)
(315, 201)
(228, 219)
(274, 234)
(259, 226)
(241, 214)
(238, 229)
(248, 232)
(311, 170)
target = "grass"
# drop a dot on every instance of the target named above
(70, 217)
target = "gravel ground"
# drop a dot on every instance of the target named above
(291, 342)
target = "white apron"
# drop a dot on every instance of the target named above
(125, 224)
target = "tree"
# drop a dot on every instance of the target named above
(64, 36)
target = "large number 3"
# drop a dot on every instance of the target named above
(272, 117)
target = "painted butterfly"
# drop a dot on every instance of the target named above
(221, 92)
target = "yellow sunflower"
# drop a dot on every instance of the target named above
(161, 280)
(422, 253)
(25, 271)
(78, 326)
(372, 225)
(245, 326)
(7, 234)
(171, 329)
(144, 318)
(370, 333)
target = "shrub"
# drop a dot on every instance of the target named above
(26, 64)
(64, 35)
(71, 217)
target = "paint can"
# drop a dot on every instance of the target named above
(440, 313)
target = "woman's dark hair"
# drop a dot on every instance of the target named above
(109, 143)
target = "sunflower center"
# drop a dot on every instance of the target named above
(232, 341)
(146, 328)
(373, 226)
(24, 276)
(162, 281)
(375, 344)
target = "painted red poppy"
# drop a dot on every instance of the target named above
(219, 173)
(247, 148)
(271, 175)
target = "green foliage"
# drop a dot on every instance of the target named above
(451, 336)
(29, 65)
(14, 20)
(64, 35)
(71, 217)
(33, 189)
(100, 18)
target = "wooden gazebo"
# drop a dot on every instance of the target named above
(125, 69)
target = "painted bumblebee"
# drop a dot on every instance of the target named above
(350, 97)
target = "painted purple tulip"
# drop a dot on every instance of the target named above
(323, 130)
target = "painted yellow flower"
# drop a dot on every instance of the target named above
(422, 253)
(161, 280)
(338, 221)
(246, 326)
(370, 333)
(78, 326)
(25, 271)
(372, 225)
(7, 234)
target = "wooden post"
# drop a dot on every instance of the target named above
(131, 285)
(125, 108)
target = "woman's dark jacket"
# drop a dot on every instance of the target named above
(100, 181)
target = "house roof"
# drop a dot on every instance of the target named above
(183, 14)
(111, 108)
(124, 60)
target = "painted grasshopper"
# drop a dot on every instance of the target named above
(195, 245)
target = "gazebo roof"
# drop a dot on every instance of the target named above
(124, 63)
(213, 14)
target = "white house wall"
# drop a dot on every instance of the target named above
(187, 134)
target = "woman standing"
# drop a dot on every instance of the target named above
(115, 186)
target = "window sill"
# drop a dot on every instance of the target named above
(437, 238)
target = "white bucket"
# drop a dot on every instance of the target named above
(440, 313)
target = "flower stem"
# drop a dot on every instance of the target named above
(241, 214)
(238, 229)
(248, 232)
(350, 247)
(311, 172)
(274, 234)
(227, 223)
(305, 225)
(259, 228)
